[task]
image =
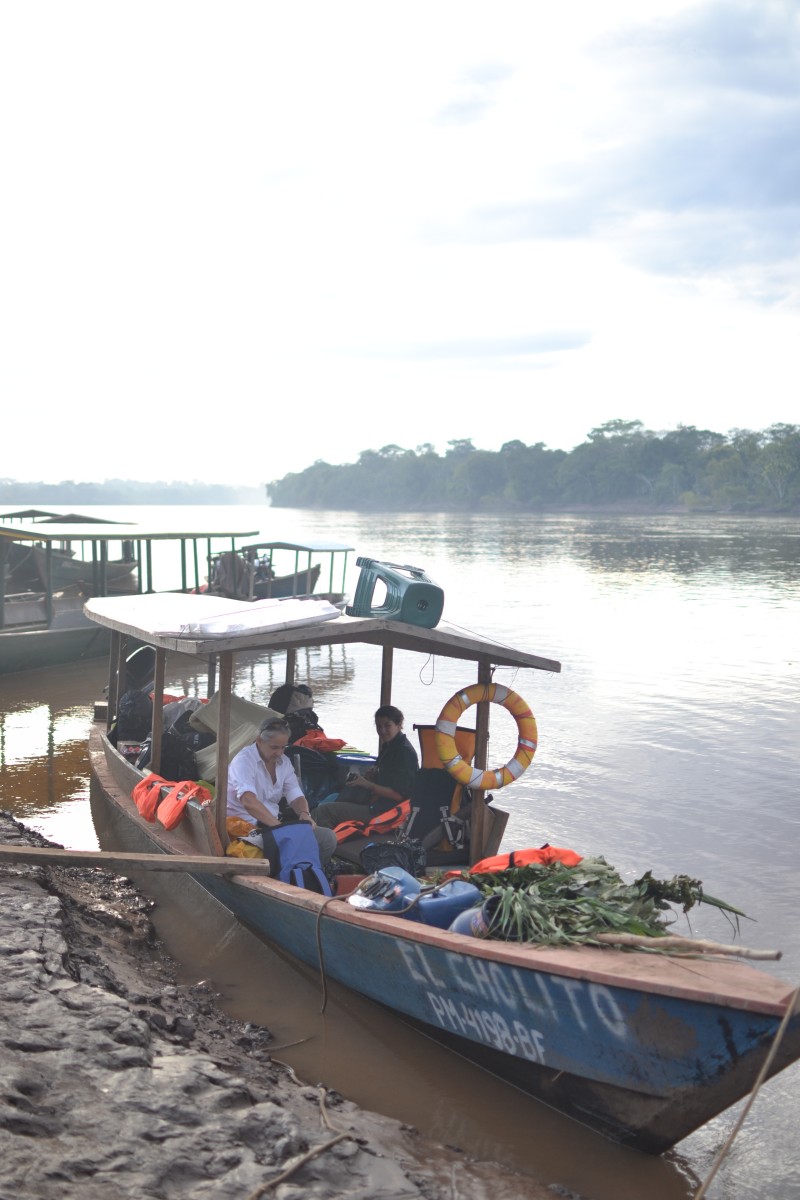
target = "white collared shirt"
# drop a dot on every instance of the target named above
(247, 772)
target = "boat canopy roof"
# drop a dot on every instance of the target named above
(64, 530)
(28, 514)
(180, 622)
(316, 547)
(44, 515)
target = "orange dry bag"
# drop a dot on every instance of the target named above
(147, 795)
(170, 810)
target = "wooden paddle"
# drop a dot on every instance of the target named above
(122, 861)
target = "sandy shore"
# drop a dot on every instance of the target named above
(117, 1082)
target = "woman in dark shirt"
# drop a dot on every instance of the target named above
(382, 786)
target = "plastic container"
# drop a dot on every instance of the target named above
(475, 922)
(389, 890)
(440, 908)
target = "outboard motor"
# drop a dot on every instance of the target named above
(393, 890)
(389, 890)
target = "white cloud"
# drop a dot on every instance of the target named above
(238, 240)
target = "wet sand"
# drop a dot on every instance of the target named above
(119, 1081)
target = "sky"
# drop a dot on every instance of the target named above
(238, 238)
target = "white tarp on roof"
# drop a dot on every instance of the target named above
(177, 614)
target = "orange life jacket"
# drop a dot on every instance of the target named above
(384, 822)
(544, 856)
(317, 739)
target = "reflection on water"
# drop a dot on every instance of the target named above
(669, 742)
(44, 765)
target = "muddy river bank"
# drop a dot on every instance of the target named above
(121, 1081)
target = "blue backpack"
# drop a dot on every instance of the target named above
(293, 856)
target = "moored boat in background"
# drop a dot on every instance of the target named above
(251, 573)
(50, 566)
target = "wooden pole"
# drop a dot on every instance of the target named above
(3, 561)
(122, 861)
(387, 664)
(686, 945)
(158, 711)
(48, 600)
(291, 665)
(223, 743)
(115, 682)
(478, 817)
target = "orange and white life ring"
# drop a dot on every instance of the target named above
(446, 736)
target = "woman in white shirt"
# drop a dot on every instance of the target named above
(260, 776)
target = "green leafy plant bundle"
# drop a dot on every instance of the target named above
(560, 905)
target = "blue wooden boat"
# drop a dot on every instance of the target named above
(643, 1048)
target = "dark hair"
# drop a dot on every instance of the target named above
(389, 710)
(272, 725)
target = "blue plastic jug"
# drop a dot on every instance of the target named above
(442, 906)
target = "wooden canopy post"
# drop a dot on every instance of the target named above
(48, 601)
(3, 561)
(113, 690)
(211, 685)
(104, 568)
(116, 667)
(291, 665)
(158, 711)
(387, 664)
(223, 742)
(478, 819)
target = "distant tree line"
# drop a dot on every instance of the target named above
(124, 491)
(621, 465)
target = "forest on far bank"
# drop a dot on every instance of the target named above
(123, 491)
(621, 465)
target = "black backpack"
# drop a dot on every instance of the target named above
(134, 716)
(408, 853)
(177, 758)
(319, 774)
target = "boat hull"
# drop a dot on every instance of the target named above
(26, 649)
(634, 1046)
(28, 569)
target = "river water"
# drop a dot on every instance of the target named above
(668, 742)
